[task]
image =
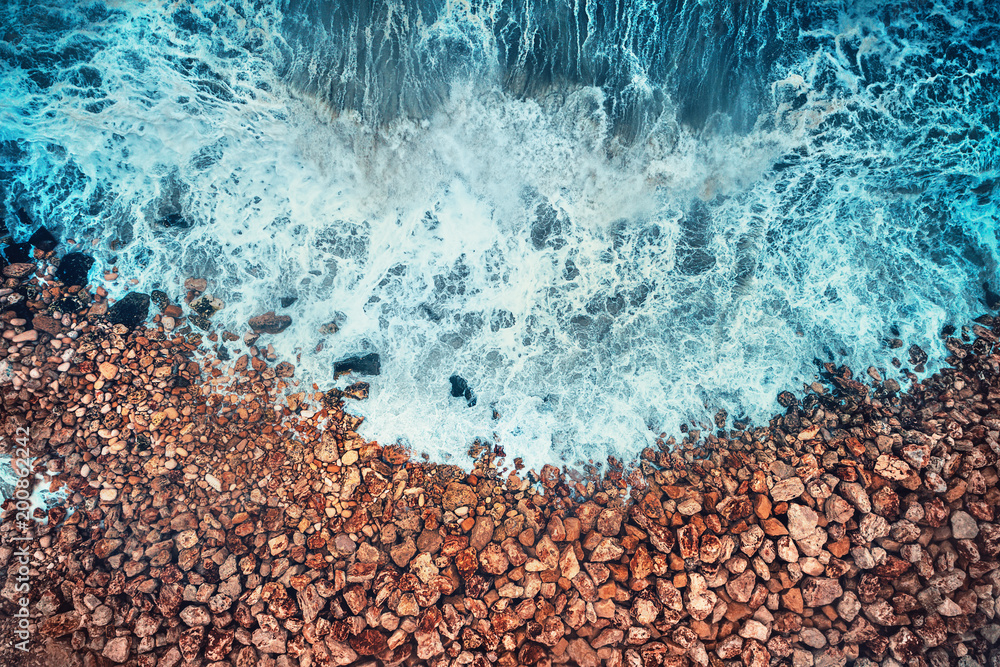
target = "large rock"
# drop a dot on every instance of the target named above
(117, 649)
(17, 253)
(74, 268)
(460, 389)
(787, 489)
(327, 450)
(368, 364)
(131, 310)
(270, 323)
(60, 624)
(459, 495)
(18, 270)
(820, 591)
(43, 239)
(963, 526)
(802, 521)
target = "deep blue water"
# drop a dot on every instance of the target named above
(608, 217)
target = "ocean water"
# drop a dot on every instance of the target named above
(610, 218)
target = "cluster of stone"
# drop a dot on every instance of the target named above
(218, 514)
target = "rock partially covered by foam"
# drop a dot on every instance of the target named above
(460, 389)
(131, 310)
(368, 364)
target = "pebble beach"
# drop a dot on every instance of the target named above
(220, 511)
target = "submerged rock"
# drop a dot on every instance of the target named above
(204, 307)
(73, 268)
(160, 298)
(918, 357)
(175, 221)
(369, 364)
(17, 253)
(131, 310)
(270, 323)
(43, 239)
(286, 301)
(992, 298)
(460, 389)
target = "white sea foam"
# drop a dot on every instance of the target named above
(593, 292)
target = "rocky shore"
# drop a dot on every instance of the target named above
(220, 514)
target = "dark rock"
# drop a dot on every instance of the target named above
(131, 310)
(73, 268)
(917, 355)
(460, 389)
(369, 364)
(160, 298)
(991, 298)
(43, 240)
(270, 323)
(17, 253)
(786, 399)
(286, 301)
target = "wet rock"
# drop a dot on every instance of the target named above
(917, 355)
(204, 307)
(269, 323)
(18, 270)
(17, 253)
(49, 325)
(74, 268)
(43, 239)
(786, 399)
(460, 389)
(369, 364)
(131, 310)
